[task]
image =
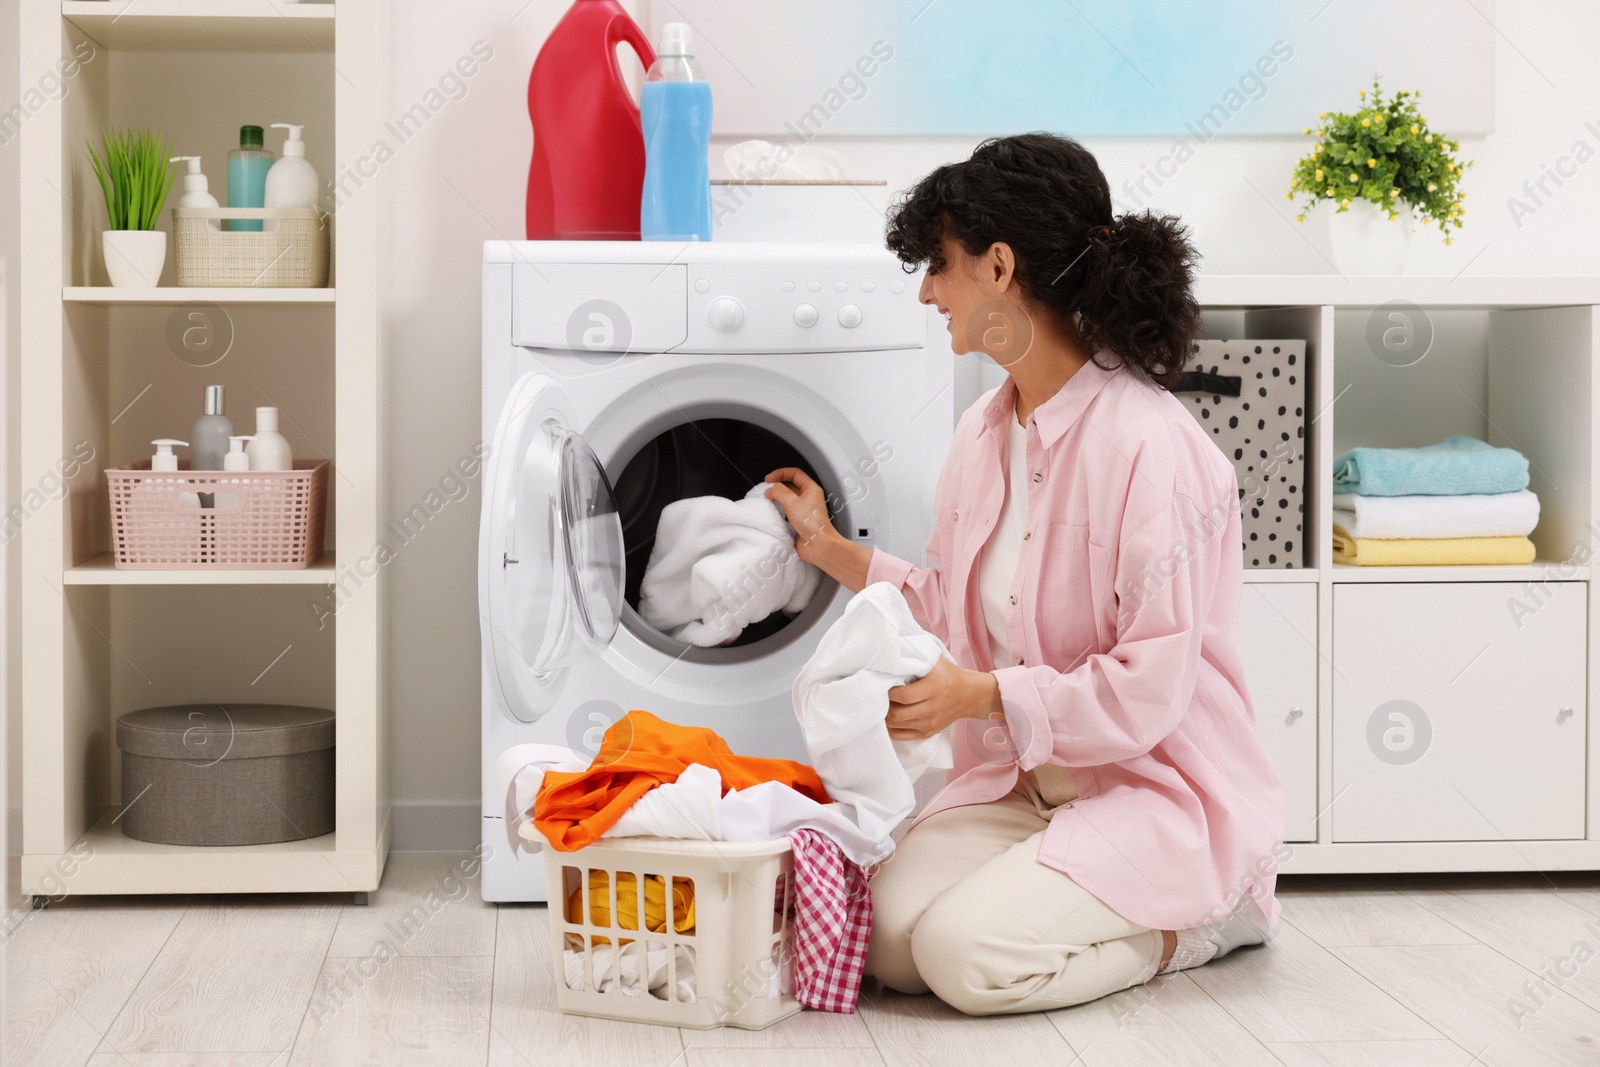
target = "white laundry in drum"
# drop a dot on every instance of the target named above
(719, 565)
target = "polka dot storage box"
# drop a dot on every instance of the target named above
(1250, 398)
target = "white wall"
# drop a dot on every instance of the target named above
(460, 181)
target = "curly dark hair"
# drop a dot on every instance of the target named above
(1125, 281)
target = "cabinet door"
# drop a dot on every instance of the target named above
(1458, 711)
(1279, 624)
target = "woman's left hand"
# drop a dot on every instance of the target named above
(924, 707)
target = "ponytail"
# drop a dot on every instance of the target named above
(1126, 282)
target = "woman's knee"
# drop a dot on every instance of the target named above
(942, 948)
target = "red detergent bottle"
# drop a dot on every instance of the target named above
(587, 174)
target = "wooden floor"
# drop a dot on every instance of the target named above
(1435, 970)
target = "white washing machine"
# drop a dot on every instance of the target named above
(620, 376)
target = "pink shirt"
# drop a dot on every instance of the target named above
(1124, 639)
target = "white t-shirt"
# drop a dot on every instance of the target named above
(1048, 785)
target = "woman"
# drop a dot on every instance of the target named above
(1112, 814)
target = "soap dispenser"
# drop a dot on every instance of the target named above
(211, 433)
(236, 459)
(292, 181)
(165, 458)
(196, 188)
(270, 449)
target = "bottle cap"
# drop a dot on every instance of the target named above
(293, 145)
(213, 400)
(266, 420)
(677, 39)
(251, 137)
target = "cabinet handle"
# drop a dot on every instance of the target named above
(1563, 715)
(1295, 713)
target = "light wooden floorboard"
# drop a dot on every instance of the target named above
(1469, 991)
(925, 1030)
(1371, 1054)
(1293, 989)
(69, 971)
(412, 1010)
(429, 906)
(1403, 970)
(1168, 1020)
(1364, 911)
(235, 976)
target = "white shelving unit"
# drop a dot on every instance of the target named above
(103, 372)
(1494, 760)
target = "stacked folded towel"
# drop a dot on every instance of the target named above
(1461, 501)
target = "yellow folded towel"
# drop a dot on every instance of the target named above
(1429, 551)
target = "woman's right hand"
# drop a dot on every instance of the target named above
(806, 507)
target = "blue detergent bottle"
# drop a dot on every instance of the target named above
(675, 109)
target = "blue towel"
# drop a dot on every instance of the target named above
(1457, 466)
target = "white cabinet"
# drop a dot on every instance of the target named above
(1458, 711)
(1279, 624)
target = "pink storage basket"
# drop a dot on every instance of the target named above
(259, 520)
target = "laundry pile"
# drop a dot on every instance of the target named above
(1461, 501)
(718, 565)
(654, 778)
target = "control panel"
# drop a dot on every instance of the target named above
(718, 304)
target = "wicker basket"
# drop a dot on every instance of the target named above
(256, 521)
(290, 251)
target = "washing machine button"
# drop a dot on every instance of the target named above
(726, 314)
(849, 316)
(702, 285)
(815, 287)
(897, 287)
(805, 315)
(787, 287)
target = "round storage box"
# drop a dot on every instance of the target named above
(226, 774)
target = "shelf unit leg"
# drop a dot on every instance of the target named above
(358, 900)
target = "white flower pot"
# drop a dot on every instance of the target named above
(1366, 241)
(134, 257)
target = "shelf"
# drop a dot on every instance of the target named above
(122, 865)
(173, 295)
(1540, 570)
(100, 571)
(1291, 290)
(1294, 576)
(215, 26)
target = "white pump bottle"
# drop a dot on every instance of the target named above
(292, 181)
(270, 449)
(196, 188)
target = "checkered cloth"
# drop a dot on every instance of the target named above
(832, 921)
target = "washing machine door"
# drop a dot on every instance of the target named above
(553, 559)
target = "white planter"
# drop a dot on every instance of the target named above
(1366, 241)
(134, 257)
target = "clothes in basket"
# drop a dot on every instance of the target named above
(638, 966)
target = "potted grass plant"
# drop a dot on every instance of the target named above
(1380, 166)
(135, 172)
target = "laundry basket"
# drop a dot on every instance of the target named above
(716, 946)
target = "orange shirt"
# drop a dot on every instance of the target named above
(638, 753)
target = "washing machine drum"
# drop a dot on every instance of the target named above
(553, 568)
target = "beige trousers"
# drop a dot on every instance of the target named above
(964, 909)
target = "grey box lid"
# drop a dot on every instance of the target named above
(212, 732)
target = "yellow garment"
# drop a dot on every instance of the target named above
(655, 903)
(1429, 551)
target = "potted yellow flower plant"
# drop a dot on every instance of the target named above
(1379, 166)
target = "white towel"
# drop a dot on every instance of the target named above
(719, 565)
(1476, 515)
(841, 697)
(633, 954)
